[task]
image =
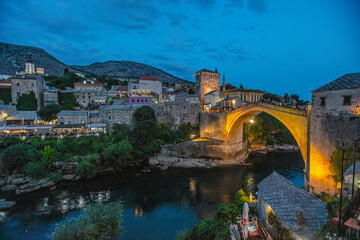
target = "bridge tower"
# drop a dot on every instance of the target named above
(205, 82)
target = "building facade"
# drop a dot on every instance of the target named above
(334, 122)
(66, 117)
(88, 84)
(205, 82)
(51, 95)
(152, 84)
(22, 84)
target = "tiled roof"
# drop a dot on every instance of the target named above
(27, 115)
(349, 171)
(285, 199)
(72, 113)
(242, 90)
(88, 82)
(149, 79)
(186, 95)
(347, 81)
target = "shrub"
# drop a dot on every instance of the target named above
(88, 165)
(37, 169)
(48, 155)
(99, 222)
(118, 154)
(9, 141)
(17, 156)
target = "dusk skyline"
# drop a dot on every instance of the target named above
(280, 47)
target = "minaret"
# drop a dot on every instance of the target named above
(224, 86)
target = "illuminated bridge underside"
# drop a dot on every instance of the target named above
(229, 126)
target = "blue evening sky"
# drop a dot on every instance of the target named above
(279, 46)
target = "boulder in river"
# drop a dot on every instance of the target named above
(34, 185)
(6, 204)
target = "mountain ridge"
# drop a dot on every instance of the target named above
(13, 58)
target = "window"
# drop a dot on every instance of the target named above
(132, 100)
(347, 100)
(137, 100)
(142, 100)
(146, 100)
(17, 84)
(323, 101)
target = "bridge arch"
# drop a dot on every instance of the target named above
(296, 121)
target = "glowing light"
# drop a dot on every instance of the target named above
(252, 121)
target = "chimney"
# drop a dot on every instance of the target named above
(224, 85)
(299, 219)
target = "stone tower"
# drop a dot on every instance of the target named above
(205, 82)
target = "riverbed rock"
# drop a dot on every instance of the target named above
(64, 168)
(9, 188)
(6, 204)
(68, 177)
(2, 182)
(34, 185)
(18, 179)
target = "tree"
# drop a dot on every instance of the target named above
(229, 86)
(191, 91)
(17, 156)
(48, 155)
(241, 86)
(295, 97)
(66, 71)
(27, 102)
(49, 112)
(5, 95)
(67, 101)
(100, 221)
(118, 154)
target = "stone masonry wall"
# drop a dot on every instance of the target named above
(331, 126)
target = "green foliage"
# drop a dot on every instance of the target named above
(5, 95)
(118, 154)
(49, 112)
(191, 91)
(184, 131)
(8, 141)
(37, 169)
(27, 102)
(55, 177)
(67, 101)
(335, 163)
(227, 213)
(88, 165)
(267, 130)
(17, 156)
(100, 222)
(241, 198)
(206, 230)
(229, 86)
(67, 80)
(48, 155)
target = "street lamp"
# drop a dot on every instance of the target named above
(252, 121)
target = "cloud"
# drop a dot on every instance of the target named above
(176, 19)
(229, 51)
(258, 6)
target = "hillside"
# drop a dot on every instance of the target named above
(13, 58)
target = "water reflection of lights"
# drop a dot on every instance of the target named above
(192, 186)
(65, 205)
(100, 196)
(81, 202)
(250, 181)
(138, 212)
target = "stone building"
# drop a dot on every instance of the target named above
(116, 114)
(334, 121)
(89, 97)
(5, 111)
(51, 95)
(26, 83)
(205, 82)
(67, 117)
(174, 114)
(245, 95)
(88, 84)
(185, 97)
(297, 210)
(23, 118)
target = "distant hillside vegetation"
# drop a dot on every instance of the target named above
(13, 58)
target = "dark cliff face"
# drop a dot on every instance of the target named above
(13, 58)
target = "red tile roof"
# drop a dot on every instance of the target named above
(149, 78)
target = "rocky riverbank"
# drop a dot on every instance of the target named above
(177, 155)
(274, 148)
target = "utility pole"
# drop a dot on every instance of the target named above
(341, 190)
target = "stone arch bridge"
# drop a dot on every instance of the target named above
(228, 127)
